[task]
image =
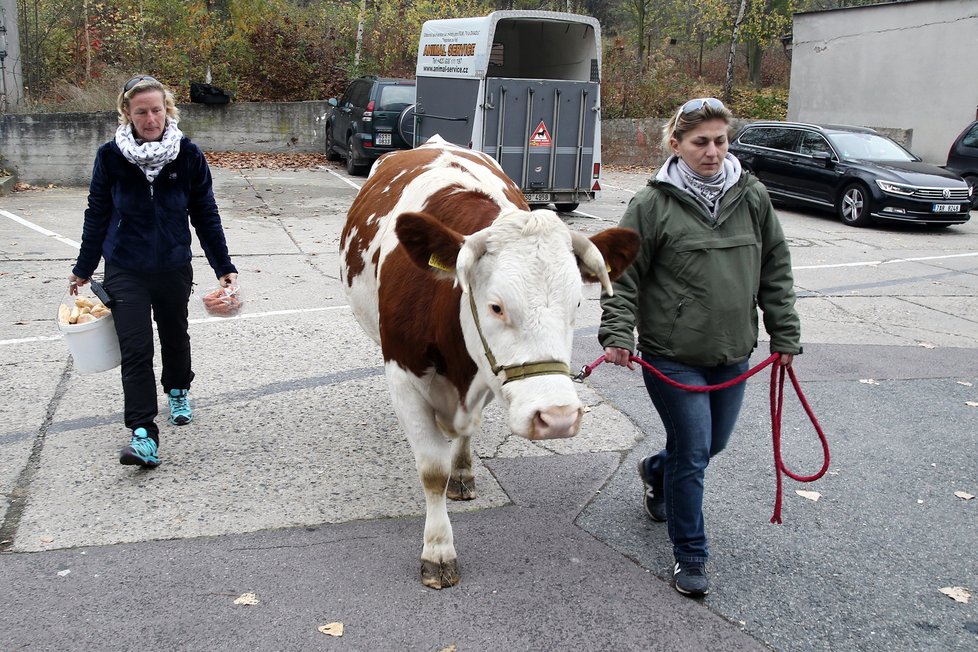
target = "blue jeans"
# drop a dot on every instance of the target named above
(698, 426)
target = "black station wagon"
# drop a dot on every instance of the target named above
(858, 173)
(962, 159)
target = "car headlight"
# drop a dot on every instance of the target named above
(894, 188)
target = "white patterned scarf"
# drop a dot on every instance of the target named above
(150, 157)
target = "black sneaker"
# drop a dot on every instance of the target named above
(653, 501)
(690, 578)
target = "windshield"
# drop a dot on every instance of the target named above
(869, 147)
(395, 98)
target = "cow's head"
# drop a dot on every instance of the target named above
(521, 282)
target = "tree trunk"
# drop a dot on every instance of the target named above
(360, 22)
(755, 55)
(728, 82)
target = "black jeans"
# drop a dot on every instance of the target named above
(138, 299)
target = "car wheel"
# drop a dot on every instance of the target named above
(853, 205)
(568, 207)
(351, 165)
(331, 153)
(972, 181)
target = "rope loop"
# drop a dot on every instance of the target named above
(778, 373)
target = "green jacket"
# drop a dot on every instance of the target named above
(695, 286)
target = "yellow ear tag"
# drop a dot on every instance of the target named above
(608, 266)
(433, 261)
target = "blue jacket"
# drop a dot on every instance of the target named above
(143, 227)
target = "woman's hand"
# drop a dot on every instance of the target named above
(229, 279)
(74, 283)
(786, 359)
(618, 356)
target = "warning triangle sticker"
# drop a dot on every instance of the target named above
(540, 137)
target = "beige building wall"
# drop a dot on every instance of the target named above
(905, 66)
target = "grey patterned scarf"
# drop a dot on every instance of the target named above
(150, 157)
(707, 189)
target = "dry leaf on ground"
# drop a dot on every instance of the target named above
(957, 593)
(810, 495)
(450, 648)
(333, 629)
(963, 495)
(272, 160)
(246, 598)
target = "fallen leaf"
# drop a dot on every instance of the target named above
(957, 593)
(450, 648)
(869, 381)
(246, 598)
(810, 495)
(333, 629)
(963, 495)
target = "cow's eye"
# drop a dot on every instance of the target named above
(496, 308)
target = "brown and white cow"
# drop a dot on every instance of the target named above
(471, 296)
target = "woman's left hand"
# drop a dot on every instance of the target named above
(786, 359)
(229, 279)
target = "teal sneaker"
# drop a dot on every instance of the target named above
(180, 412)
(140, 451)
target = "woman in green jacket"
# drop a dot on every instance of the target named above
(712, 253)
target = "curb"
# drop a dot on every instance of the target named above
(7, 184)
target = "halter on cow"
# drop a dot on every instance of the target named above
(434, 223)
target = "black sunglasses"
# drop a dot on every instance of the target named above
(135, 80)
(699, 103)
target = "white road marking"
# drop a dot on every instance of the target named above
(339, 176)
(607, 185)
(202, 320)
(40, 229)
(873, 263)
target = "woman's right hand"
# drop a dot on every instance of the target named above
(618, 356)
(74, 283)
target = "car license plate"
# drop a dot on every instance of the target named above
(947, 208)
(537, 197)
(382, 139)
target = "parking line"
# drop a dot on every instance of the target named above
(40, 229)
(871, 263)
(339, 176)
(202, 320)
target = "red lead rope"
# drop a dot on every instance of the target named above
(777, 404)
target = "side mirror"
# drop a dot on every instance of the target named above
(332, 101)
(823, 159)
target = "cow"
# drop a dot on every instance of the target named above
(471, 296)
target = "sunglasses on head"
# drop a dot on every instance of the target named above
(135, 80)
(699, 103)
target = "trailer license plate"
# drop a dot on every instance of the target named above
(537, 197)
(947, 208)
(383, 139)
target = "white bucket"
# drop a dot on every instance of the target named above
(94, 346)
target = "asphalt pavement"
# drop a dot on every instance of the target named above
(295, 490)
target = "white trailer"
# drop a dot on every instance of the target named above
(523, 87)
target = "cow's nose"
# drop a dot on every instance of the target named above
(556, 422)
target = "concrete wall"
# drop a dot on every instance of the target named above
(903, 66)
(60, 148)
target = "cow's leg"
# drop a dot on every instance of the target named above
(461, 484)
(433, 457)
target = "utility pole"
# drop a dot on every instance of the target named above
(11, 79)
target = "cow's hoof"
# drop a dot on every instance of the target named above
(439, 576)
(461, 489)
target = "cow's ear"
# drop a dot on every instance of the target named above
(604, 256)
(430, 244)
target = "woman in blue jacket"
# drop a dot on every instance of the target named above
(146, 183)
